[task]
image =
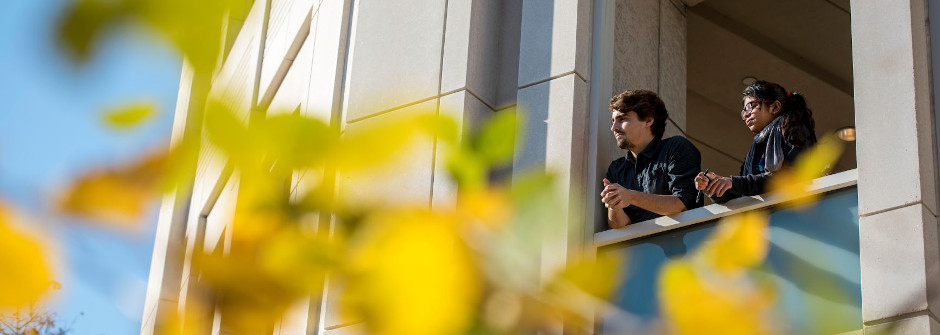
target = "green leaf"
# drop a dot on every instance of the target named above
(193, 27)
(469, 170)
(442, 126)
(181, 164)
(496, 141)
(230, 134)
(538, 208)
(363, 146)
(295, 141)
(129, 116)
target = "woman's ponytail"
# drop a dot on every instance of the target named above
(799, 128)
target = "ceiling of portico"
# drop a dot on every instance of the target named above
(805, 45)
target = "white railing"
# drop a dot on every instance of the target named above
(715, 211)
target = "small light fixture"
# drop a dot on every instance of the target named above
(747, 81)
(846, 133)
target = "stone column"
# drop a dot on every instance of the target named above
(554, 70)
(641, 45)
(406, 57)
(650, 53)
(897, 191)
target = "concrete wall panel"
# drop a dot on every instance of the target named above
(395, 55)
(354, 329)
(293, 90)
(221, 215)
(892, 99)
(672, 62)
(284, 23)
(554, 137)
(327, 27)
(897, 252)
(636, 41)
(406, 181)
(918, 325)
(509, 33)
(457, 45)
(555, 39)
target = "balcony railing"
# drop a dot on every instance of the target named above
(813, 258)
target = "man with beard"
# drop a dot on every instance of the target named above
(657, 175)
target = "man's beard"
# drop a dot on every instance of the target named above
(625, 144)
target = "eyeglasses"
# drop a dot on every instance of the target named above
(749, 107)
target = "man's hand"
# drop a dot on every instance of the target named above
(718, 185)
(611, 196)
(615, 196)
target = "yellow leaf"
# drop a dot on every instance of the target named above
(249, 297)
(285, 141)
(129, 116)
(488, 207)
(260, 209)
(503, 310)
(820, 158)
(692, 305)
(180, 165)
(596, 277)
(295, 141)
(442, 126)
(371, 145)
(738, 243)
(231, 135)
(191, 322)
(300, 259)
(794, 183)
(116, 196)
(26, 275)
(194, 27)
(108, 197)
(410, 273)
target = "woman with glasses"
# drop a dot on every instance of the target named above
(783, 127)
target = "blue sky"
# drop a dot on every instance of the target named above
(50, 131)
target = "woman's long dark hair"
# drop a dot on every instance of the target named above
(799, 128)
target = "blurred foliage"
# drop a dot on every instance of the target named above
(130, 115)
(120, 195)
(473, 268)
(817, 160)
(710, 292)
(26, 273)
(719, 288)
(415, 264)
(193, 27)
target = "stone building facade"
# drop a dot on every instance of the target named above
(864, 63)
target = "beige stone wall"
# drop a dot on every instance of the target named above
(897, 167)
(641, 44)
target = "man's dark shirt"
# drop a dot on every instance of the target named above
(665, 166)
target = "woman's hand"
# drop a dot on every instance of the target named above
(718, 185)
(701, 181)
